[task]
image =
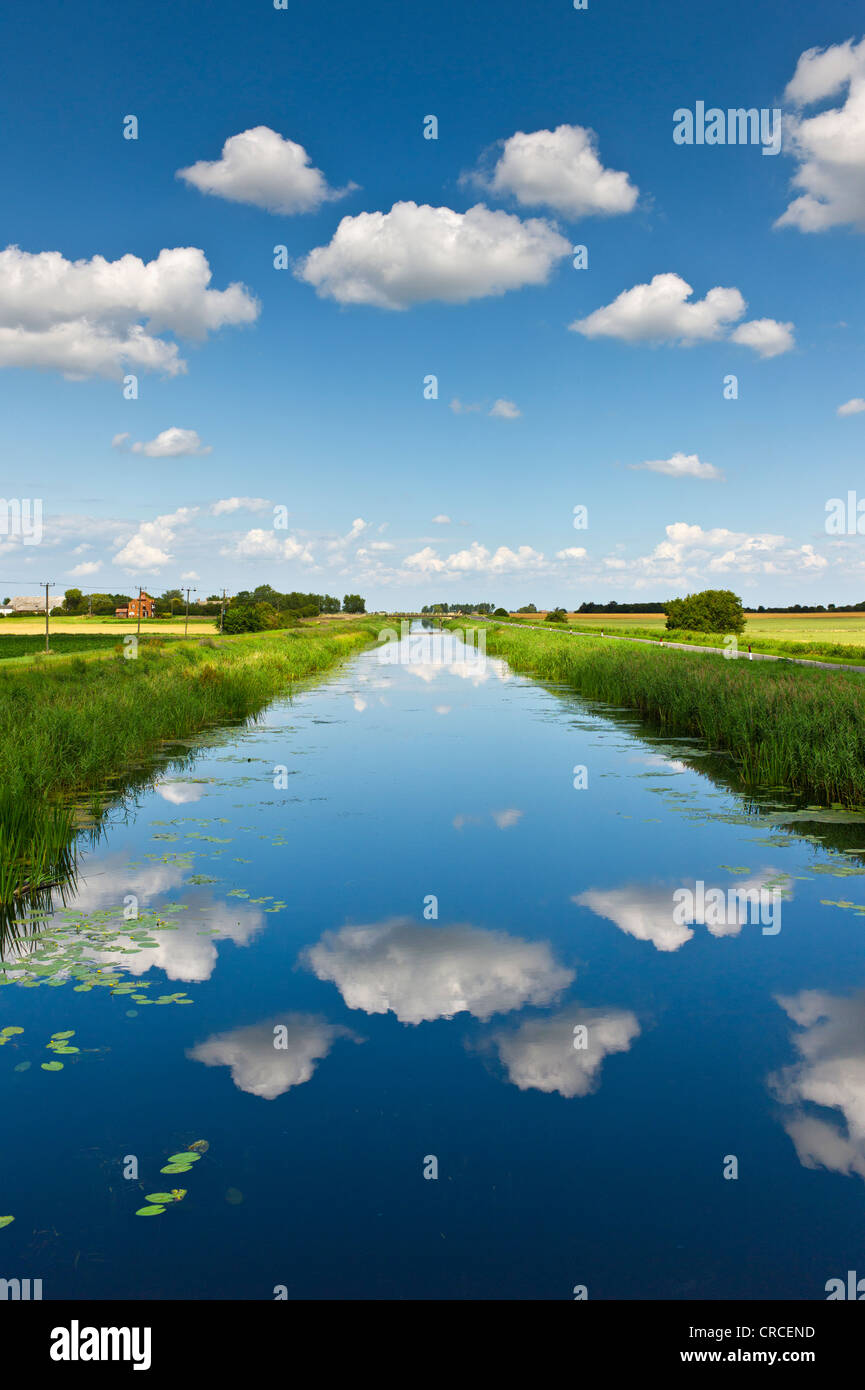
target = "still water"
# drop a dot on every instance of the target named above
(405, 958)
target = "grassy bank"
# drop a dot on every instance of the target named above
(72, 727)
(812, 649)
(782, 726)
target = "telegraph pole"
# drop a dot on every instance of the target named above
(186, 620)
(47, 587)
(138, 626)
(222, 612)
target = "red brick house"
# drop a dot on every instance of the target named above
(131, 611)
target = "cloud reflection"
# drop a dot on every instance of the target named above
(422, 973)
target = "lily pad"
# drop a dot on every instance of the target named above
(52, 1066)
(10, 1030)
(156, 1210)
(160, 1198)
(6, 1221)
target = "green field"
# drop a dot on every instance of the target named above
(831, 637)
(846, 628)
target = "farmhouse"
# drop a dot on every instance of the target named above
(28, 605)
(144, 601)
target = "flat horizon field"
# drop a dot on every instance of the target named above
(779, 627)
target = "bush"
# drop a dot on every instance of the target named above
(252, 617)
(711, 610)
(501, 613)
(557, 615)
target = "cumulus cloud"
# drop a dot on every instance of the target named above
(148, 548)
(664, 312)
(477, 559)
(767, 337)
(258, 543)
(852, 407)
(423, 973)
(681, 466)
(828, 147)
(86, 567)
(573, 552)
(103, 318)
(830, 1074)
(441, 520)
(540, 1055)
(170, 443)
(263, 1069)
(260, 167)
(416, 253)
(559, 169)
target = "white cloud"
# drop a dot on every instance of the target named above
(559, 169)
(463, 408)
(148, 549)
(663, 312)
(170, 443)
(380, 545)
(258, 543)
(540, 1055)
(225, 505)
(476, 559)
(260, 1067)
(423, 973)
(768, 337)
(681, 466)
(416, 253)
(260, 167)
(573, 552)
(103, 318)
(506, 820)
(441, 520)
(829, 146)
(852, 407)
(505, 410)
(87, 567)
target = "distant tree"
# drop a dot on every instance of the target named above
(501, 613)
(711, 610)
(353, 603)
(528, 608)
(557, 615)
(73, 601)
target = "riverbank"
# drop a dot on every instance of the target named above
(75, 727)
(783, 727)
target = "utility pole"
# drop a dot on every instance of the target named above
(186, 620)
(138, 626)
(222, 613)
(47, 648)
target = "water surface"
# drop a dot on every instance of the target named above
(287, 884)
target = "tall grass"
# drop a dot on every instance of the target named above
(81, 727)
(795, 727)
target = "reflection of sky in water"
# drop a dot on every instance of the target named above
(299, 908)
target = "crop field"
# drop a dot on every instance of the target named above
(846, 628)
(116, 626)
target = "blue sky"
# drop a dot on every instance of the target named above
(303, 388)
